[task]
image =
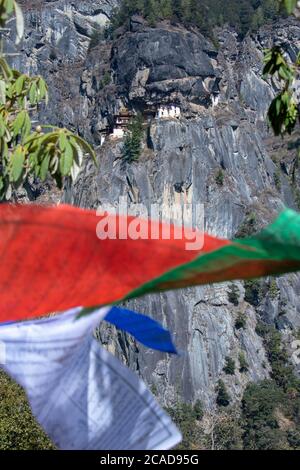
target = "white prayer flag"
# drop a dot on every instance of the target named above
(83, 397)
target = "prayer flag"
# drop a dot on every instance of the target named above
(82, 396)
(55, 258)
(145, 330)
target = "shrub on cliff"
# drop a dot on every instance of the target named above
(229, 367)
(223, 397)
(132, 146)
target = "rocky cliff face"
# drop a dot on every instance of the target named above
(218, 153)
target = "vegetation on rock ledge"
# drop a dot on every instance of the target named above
(243, 15)
(18, 428)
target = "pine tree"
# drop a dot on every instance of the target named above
(151, 11)
(270, 8)
(232, 13)
(133, 140)
(240, 322)
(223, 398)
(177, 9)
(202, 16)
(243, 15)
(166, 8)
(186, 10)
(244, 366)
(246, 13)
(258, 19)
(229, 367)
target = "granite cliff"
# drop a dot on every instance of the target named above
(219, 153)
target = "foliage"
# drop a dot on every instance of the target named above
(229, 367)
(18, 429)
(293, 437)
(220, 178)
(97, 36)
(188, 417)
(45, 151)
(277, 179)
(297, 197)
(283, 112)
(244, 366)
(106, 79)
(228, 432)
(223, 397)
(274, 291)
(290, 5)
(272, 407)
(282, 371)
(241, 321)
(248, 226)
(259, 404)
(133, 141)
(270, 417)
(252, 292)
(233, 294)
(243, 15)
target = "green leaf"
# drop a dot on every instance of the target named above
(44, 167)
(22, 125)
(78, 154)
(3, 151)
(19, 123)
(43, 89)
(9, 6)
(26, 127)
(278, 105)
(85, 147)
(2, 127)
(19, 85)
(66, 160)
(62, 141)
(6, 70)
(75, 172)
(9, 91)
(33, 159)
(290, 5)
(1, 184)
(33, 94)
(17, 163)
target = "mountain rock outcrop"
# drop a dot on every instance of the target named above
(218, 153)
(165, 65)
